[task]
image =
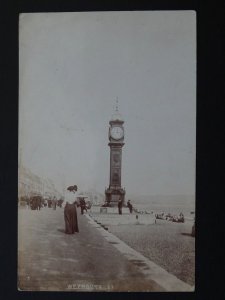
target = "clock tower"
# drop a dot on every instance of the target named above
(116, 141)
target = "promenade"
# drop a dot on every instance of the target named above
(91, 260)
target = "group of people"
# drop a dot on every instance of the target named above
(120, 205)
(70, 211)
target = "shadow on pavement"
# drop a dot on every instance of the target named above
(61, 230)
(188, 234)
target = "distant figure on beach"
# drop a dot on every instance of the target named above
(181, 217)
(130, 206)
(70, 212)
(120, 204)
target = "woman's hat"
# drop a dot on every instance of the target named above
(72, 188)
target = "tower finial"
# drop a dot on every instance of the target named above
(117, 103)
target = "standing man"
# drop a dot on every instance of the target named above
(130, 206)
(120, 204)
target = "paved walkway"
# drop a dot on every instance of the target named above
(91, 260)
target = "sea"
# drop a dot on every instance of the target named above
(173, 204)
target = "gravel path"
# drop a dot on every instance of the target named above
(168, 244)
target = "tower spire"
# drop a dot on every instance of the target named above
(117, 104)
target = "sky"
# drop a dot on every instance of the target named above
(73, 66)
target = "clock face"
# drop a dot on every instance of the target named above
(116, 132)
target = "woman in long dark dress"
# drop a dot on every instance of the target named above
(70, 213)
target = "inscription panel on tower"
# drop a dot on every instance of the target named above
(116, 158)
(115, 176)
(116, 167)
